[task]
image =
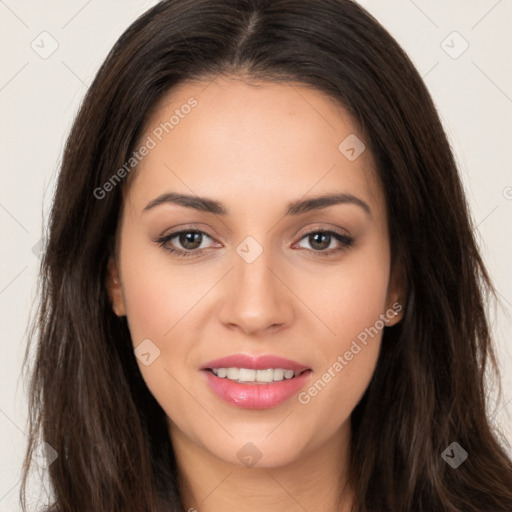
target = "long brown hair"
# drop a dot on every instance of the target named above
(88, 400)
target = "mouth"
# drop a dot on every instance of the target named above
(255, 382)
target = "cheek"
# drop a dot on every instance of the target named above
(155, 303)
(158, 298)
(351, 297)
(157, 294)
(352, 301)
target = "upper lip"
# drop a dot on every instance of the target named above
(261, 362)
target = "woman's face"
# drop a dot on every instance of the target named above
(262, 276)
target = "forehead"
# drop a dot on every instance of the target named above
(257, 141)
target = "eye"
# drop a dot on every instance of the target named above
(321, 239)
(190, 239)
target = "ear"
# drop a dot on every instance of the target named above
(114, 288)
(397, 290)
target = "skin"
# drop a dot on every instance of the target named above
(255, 147)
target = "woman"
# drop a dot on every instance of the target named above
(261, 286)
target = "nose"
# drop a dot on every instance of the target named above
(255, 297)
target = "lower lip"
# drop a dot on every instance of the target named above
(253, 395)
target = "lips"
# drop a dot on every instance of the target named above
(250, 395)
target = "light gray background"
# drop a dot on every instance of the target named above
(40, 96)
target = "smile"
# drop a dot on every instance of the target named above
(255, 381)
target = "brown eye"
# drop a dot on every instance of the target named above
(320, 240)
(188, 242)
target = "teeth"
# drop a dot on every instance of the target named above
(278, 374)
(233, 373)
(245, 375)
(265, 375)
(241, 375)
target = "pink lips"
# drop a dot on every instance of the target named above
(254, 395)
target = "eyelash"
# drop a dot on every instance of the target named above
(345, 241)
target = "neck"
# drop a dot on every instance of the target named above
(315, 480)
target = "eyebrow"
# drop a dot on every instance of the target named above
(293, 208)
